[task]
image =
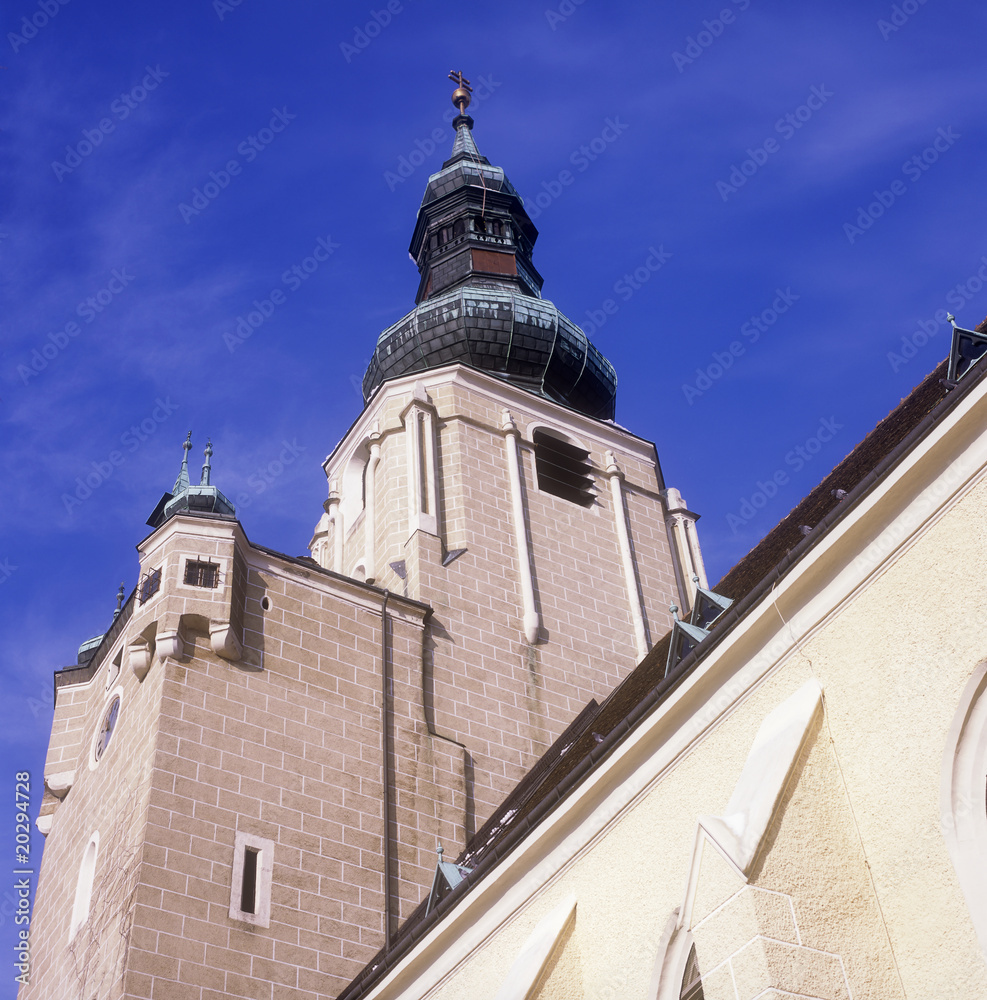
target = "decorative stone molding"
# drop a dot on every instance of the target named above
(139, 656)
(740, 831)
(534, 956)
(170, 644)
(370, 518)
(686, 554)
(223, 641)
(419, 432)
(60, 783)
(626, 555)
(335, 515)
(530, 618)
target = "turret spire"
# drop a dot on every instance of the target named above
(206, 467)
(182, 482)
(202, 498)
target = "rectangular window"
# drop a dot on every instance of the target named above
(150, 585)
(250, 885)
(201, 574)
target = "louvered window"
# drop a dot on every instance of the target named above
(692, 984)
(563, 469)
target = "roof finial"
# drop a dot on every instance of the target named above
(182, 482)
(461, 96)
(120, 593)
(206, 466)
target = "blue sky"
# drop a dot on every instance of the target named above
(809, 177)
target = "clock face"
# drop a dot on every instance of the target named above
(107, 726)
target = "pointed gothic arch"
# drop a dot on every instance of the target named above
(963, 798)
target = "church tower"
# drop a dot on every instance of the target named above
(250, 771)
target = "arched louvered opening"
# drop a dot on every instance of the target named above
(563, 469)
(692, 984)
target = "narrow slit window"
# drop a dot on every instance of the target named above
(563, 469)
(250, 885)
(248, 889)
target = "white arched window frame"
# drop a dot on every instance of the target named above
(353, 487)
(84, 886)
(963, 806)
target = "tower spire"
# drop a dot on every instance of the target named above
(463, 145)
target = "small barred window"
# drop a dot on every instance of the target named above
(201, 574)
(563, 469)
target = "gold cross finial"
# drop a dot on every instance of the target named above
(461, 95)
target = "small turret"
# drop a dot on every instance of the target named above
(185, 497)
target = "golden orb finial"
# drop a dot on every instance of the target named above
(461, 96)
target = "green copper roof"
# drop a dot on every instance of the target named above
(203, 498)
